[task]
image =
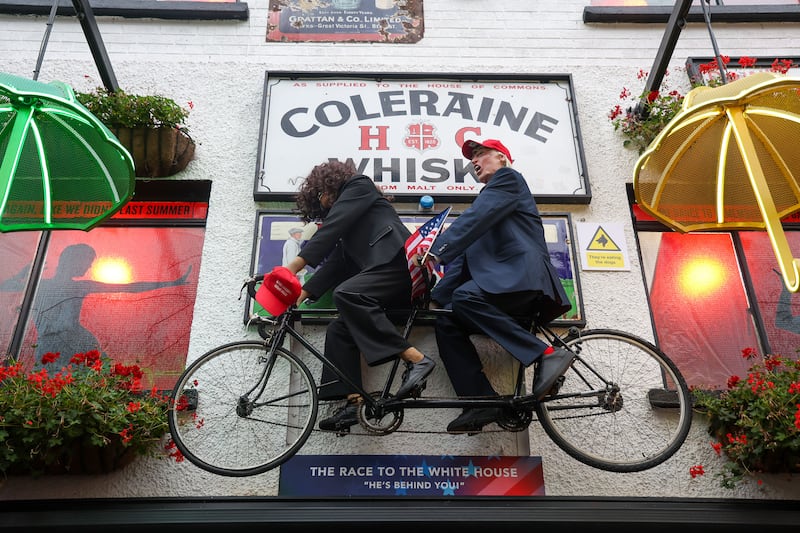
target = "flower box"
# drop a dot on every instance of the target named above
(85, 416)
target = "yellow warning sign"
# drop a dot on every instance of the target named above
(612, 260)
(603, 247)
(601, 241)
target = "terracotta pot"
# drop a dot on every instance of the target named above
(157, 152)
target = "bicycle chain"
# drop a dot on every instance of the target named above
(367, 433)
(415, 432)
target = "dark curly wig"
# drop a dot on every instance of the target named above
(326, 178)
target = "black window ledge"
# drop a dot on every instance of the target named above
(761, 13)
(401, 515)
(134, 9)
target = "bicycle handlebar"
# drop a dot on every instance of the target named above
(250, 284)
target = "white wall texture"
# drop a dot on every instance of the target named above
(220, 66)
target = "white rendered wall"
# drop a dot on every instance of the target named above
(220, 67)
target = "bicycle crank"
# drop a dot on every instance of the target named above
(381, 423)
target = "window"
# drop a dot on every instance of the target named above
(699, 304)
(629, 3)
(126, 288)
(658, 11)
(714, 294)
(181, 10)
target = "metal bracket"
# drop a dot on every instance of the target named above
(95, 42)
(675, 24)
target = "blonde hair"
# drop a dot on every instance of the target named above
(506, 162)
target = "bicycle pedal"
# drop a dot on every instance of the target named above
(557, 386)
(416, 392)
(343, 432)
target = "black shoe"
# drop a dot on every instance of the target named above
(550, 368)
(341, 420)
(414, 377)
(471, 421)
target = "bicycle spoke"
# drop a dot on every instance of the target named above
(602, 414)
(230, 431)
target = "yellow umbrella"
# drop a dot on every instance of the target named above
(729, 160)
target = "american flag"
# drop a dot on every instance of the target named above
(419, 242)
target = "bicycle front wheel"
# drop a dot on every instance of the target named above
(238, 412)
(623, 406)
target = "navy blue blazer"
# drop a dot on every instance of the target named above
(362, 230)
(499, 243)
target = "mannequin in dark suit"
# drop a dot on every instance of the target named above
(362, 242)
(498, 268)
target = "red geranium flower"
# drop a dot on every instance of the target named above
(50, 357)
(747, 62)
(749, 353)
(717, 447)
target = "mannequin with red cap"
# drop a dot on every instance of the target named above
(498, 268)
(360, 251)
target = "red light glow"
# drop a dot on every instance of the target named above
(702, 277)
(112, 270)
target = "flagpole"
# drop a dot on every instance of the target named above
(441, 224)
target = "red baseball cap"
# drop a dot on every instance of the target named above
(278, 291)
(493, 144)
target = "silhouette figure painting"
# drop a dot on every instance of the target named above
(784, 319)
(59, 300)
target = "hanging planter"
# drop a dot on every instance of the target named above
(157, 152)
(152, 128)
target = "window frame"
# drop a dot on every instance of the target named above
(721, 14)
(763, 63)
(169, 10)
(645, 224)
(148, 193)
(322, 312)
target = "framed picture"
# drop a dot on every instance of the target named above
(405, 131)
(279, 236)
(560, 239)
(345, 21)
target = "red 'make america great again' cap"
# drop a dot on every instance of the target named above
(279, 290)
(494, 144)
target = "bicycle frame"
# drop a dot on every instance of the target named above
(612, 370)
(283, 326)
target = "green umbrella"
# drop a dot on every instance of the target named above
(61, 167)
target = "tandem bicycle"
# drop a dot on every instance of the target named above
(246, 407)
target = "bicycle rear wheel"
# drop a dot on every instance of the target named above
(239, 413)
(623, 406)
